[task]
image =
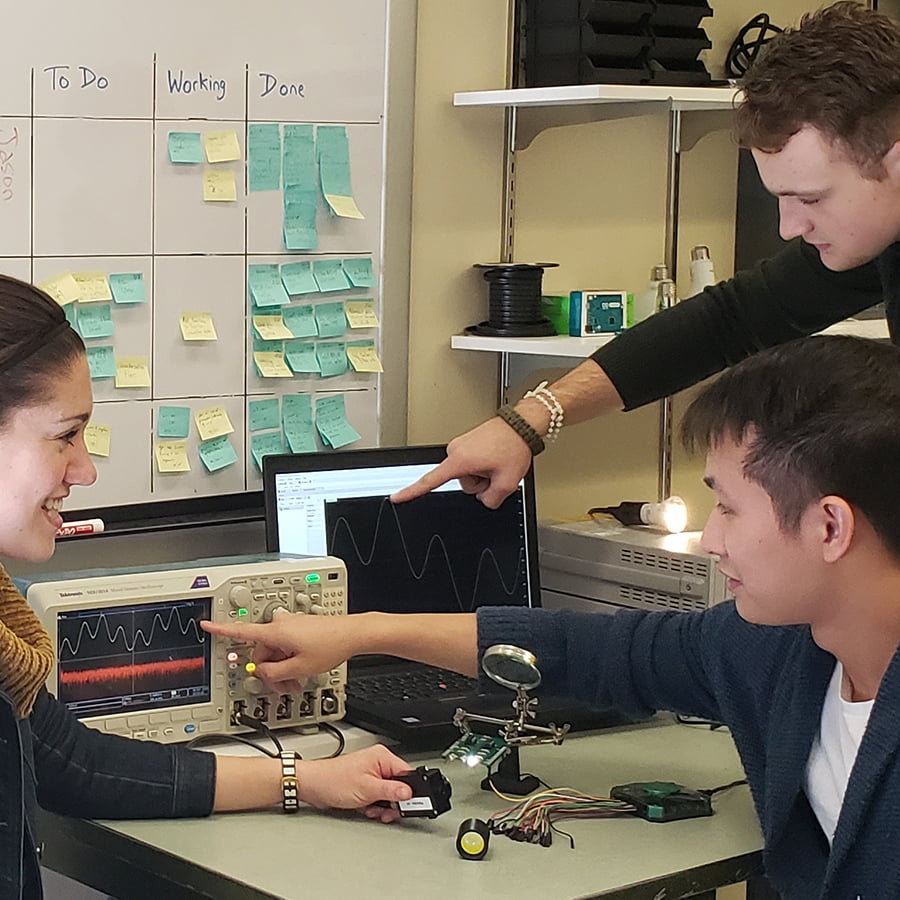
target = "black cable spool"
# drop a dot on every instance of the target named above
(514, 301)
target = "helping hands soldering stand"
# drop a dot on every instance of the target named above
(516, 669)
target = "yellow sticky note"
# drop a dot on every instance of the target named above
(97, 438)
(361, 313)
(271, 365)
(364, 359)
(343, 206)
(63, 288)
(221, 146)
(212, 422)
(219, 184)
(132, 372)
(171, 456)
(272, 328)
(93, 286)
(198, 326)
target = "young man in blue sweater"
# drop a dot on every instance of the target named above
(802, 443)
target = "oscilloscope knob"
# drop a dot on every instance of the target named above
(254, 685)
(269, 612)
(302, 602)
(317, 610)
(240, 597)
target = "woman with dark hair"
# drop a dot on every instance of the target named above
(48, 757)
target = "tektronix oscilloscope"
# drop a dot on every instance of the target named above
(132, 659)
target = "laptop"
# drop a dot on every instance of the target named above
(444, 552)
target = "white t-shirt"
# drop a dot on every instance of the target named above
(834, 752)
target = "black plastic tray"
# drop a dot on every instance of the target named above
(680, 13)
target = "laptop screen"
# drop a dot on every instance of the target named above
(443, 552)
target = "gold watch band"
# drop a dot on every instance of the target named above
(290, 784)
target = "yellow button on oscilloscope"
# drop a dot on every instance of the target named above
(250, 667)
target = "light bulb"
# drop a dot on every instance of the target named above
(669, 514)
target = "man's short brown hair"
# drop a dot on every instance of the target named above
(839, 71)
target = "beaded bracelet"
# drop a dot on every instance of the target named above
(522, 429)
(290, 784)
(543, 394)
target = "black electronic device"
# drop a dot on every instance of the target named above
(663, 801)
(473, 839)
(431, 793)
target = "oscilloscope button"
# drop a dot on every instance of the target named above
(137, 721)
(190, 728)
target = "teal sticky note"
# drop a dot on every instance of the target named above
(301, 357)
(264, 414)
(335, 178)
(173, 421)
(300, 320)
(71, 311)
(261, 345)
(128, 287)
(298, 278)
(358, 270)
(332, 143)
(217, 453)
(264, 157)
(95, 320)
(266, 287)
(331, 320)
(329, 275)
(186, 147)
(298, 423)
(332, 358)
(101, 362)
(265, 444)
(331, 422)
(299, 156)
(298, 235)
(299, 224)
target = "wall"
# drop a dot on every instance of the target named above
(590, 197)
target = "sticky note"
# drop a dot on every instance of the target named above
(219, 185)
(298, 423)
(266, 286)
(271, 365)
(300, 204)
(132, 372)
(361, 313)
(128, 287)
(217, 453)
(261, 346)
(271, 328)
(101, 362)
(299, 156)
(300, 320)
(331, 421)
(173, 421)
(212, 422)
(221, 146)
(97, 439)
(171, 456)
(298, 278)
(343, 206)
(94, 320)
(364, 359)
(264, 157)
(265, 444)
(359, 270)
(330, 319)
(197, 326)
(298, 235)
(63, 288)
(330, 275)
(264, 414)
(301, 356)
(185, 147)
(92, 286)
(332, 358)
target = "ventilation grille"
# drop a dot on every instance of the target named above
(663, 563)
(641, 598)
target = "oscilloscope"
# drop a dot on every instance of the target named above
(131, 657)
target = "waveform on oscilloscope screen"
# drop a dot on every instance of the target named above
(387, 541)
(160, 622)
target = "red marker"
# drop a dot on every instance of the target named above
(85, 526)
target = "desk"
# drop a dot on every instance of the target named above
(311, 854)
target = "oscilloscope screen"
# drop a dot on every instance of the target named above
(134, 658)
(443, 552)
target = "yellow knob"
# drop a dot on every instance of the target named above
(250, 667)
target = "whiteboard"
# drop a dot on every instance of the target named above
(88, 184)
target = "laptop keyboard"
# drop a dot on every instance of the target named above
(422, 684)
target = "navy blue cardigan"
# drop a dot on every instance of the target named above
(768, 685)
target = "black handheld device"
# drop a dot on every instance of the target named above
(431, 793)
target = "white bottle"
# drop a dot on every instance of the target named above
(645, 302)
(702, 274)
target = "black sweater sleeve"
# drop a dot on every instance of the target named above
(786, 297)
